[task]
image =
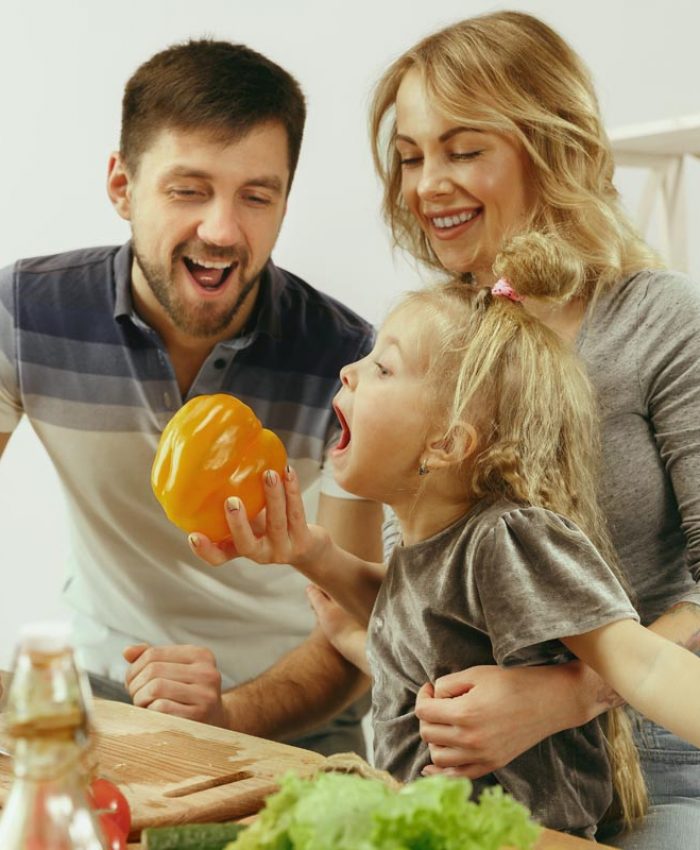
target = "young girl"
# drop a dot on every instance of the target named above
(476, 425)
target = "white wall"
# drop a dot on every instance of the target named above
(63, 64)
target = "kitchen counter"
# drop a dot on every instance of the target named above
(175, 771)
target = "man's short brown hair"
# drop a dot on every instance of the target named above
(213, 86)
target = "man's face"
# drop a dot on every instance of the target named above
(205, 216)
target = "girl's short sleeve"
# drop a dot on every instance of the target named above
(540, 579)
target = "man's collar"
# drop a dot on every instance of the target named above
(266, 313)
(123, 302)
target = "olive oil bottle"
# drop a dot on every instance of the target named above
(46, 719)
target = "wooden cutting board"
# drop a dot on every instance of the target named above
(178, 771)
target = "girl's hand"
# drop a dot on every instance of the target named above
(278, 535)
(341, 629)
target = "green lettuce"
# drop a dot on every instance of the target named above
(334, 811)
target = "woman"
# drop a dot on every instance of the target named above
(491, 127)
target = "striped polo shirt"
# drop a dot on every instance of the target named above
(98, 386)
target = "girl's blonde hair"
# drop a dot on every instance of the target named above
(510, 73)
(496, 368)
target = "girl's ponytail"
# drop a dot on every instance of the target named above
(630, 800)
(541, 265)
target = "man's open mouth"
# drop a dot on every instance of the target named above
(209, 274)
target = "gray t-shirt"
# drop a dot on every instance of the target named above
(502, 584)
(641, 346)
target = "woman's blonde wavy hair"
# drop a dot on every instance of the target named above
(497, 368)
(510, 73)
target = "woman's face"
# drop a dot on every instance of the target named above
(468, 189)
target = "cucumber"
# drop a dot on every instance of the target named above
(190, 836)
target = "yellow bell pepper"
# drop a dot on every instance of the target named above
(213, 447)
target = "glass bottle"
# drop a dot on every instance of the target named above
(46, 718)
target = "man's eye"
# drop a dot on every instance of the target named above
(183, 192)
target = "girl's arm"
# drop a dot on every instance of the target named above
(658, 678)
(281, 535)
(343, 632)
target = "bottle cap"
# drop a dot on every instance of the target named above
(48, 636)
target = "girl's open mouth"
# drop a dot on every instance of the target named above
(344, 440)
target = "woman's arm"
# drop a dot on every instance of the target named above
(478, 720)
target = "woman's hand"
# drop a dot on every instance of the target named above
(278, 535)
(343, 631)
(480, 719)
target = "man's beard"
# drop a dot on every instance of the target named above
(206, 319)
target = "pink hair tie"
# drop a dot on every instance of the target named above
(503, 288)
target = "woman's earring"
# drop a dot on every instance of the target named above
(423, 468)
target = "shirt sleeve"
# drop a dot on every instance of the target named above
(10, 397)
(539, 579)
(669, 375)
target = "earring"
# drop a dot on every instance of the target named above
(423, 468)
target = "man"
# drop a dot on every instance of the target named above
(99, 347)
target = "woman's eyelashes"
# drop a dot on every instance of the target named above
(457, 156)
(466, 154)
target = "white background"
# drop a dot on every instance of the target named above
(63, 65)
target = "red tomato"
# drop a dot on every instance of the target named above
(113, 810)
(116, 839)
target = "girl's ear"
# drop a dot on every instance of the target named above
(119, 186)
(443, 451)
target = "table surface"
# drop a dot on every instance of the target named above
(549, 840)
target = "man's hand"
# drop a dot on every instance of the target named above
(179, 680)
(480, 719)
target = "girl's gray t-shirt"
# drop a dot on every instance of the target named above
(502, 585)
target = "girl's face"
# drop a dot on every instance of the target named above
(383, 407)
(467, 188)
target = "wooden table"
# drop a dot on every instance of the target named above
(549, 841)
(174, 770)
